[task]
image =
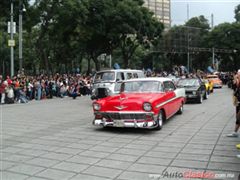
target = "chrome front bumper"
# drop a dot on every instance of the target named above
(106, 120)
(217, 85)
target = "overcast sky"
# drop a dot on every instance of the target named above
(223, 10)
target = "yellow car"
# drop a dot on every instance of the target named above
(208, 85)
(217, 83)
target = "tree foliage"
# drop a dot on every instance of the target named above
(237, 13)
(62, 35)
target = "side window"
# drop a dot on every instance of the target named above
(169, 86)
(172, 86)
(120, 76)
(160, 87)
(135, 75)
(140, 75)
(129, 75)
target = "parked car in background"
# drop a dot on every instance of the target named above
(217, 83)
(142, 103)
(173, 78)
(104, 82)
(195, 89)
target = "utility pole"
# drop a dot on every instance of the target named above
(110, 61)
(11, 32)
(213, 50)
(20, 36)
(188, 53)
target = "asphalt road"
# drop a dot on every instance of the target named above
(55, 139)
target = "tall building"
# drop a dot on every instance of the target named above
(161, 10)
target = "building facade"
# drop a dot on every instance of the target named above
(161, 10)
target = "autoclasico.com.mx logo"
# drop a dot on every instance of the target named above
(192, 174)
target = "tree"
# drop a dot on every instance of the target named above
(237, 13)
(180, 40)
(226, 36)
(134, 25)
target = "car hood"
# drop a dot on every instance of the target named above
(127, 101)
(191, 88)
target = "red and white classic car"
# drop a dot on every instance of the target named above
(142, 103)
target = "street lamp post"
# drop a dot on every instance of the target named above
(11, 36)
(21, 10)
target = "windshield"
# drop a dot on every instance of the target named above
(104, 76)
(188, 82)
(142, 86)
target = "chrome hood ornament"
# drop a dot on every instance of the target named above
(122, 98)
(120, 107)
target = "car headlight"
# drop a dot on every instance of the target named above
(96, 106)
(147, 106)
(194, 92)
(108, 92)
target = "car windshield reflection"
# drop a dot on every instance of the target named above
(104, 76)
(188, 83)
(141, 87)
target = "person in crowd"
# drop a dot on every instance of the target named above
(29, 89)
(237, 104)
(3, 87)
(38, 90)
(73, 91)
(9, 99)
(22, 95)
(63, 89)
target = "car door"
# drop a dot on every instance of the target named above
(203, 87)
(171, 105)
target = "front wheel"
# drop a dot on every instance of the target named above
(160, 120)
(200, 99)
(206, 95)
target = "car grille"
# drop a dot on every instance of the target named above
(188, 92)
(125, 116)
(102, 92)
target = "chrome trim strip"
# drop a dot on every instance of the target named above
(161, 104)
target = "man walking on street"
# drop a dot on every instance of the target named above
(237, 96)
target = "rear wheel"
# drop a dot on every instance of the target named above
(180, 111)
(160, 120)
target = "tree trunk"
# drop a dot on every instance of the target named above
(125, 61)
(97, 63)
(46, 61)
(89, 66)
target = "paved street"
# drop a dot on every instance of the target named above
(54, 139)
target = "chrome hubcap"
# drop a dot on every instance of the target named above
(181, 108)
(160, 120)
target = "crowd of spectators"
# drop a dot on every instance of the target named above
(23, 88)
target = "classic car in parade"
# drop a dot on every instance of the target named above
(141, 103)
(217, 83)
(195, 89)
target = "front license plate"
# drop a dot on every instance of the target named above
(118, 123)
